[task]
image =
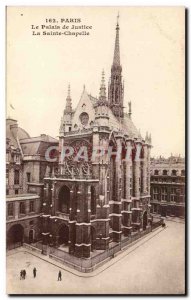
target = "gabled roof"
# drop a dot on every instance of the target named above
(127, 124)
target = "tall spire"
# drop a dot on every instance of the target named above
(115, 89)
(68, 108)
(116, 57)
(102, 93)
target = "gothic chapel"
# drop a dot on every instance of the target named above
(90, 204)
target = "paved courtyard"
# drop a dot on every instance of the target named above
(154, 265)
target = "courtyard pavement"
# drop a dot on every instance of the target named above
(154, 265)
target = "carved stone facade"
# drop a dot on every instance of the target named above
(91, 203)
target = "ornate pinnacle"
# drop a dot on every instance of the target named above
(117, 20)
(102, 93)
(68, 108)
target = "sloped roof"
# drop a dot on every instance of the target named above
(30, 148)
(22, 134)
(41, 138)
(37, 145)
(93, 99)
(129, 126)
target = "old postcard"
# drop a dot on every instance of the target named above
(95, 150)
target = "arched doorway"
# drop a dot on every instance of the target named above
(31, 236)
(15, 236)
(64, 199)
(93, 238)
(63, 234)
(145, 220)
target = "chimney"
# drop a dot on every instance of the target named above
(43, 137)
(14, 129)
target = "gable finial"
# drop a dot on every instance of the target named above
(118, 19)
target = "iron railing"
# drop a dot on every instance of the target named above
(87, 264)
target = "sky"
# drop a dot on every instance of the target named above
(39, 68)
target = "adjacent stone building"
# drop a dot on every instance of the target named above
(90, 203)
(26, 167)
(22, 219)
(14, 167)
(168, 186)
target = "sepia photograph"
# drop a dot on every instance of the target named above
(95, 150)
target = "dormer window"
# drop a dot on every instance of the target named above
(17, 158)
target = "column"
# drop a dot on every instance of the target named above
(127, 213)
(72, 222)
(116, 215)
(145, 171)
(136, 179)
(83, 229)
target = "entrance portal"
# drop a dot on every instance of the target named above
(15, 236)
(64, 199)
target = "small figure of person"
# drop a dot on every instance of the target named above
(34, 272)
(24, 274)
(21, 274)
(59, 276)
